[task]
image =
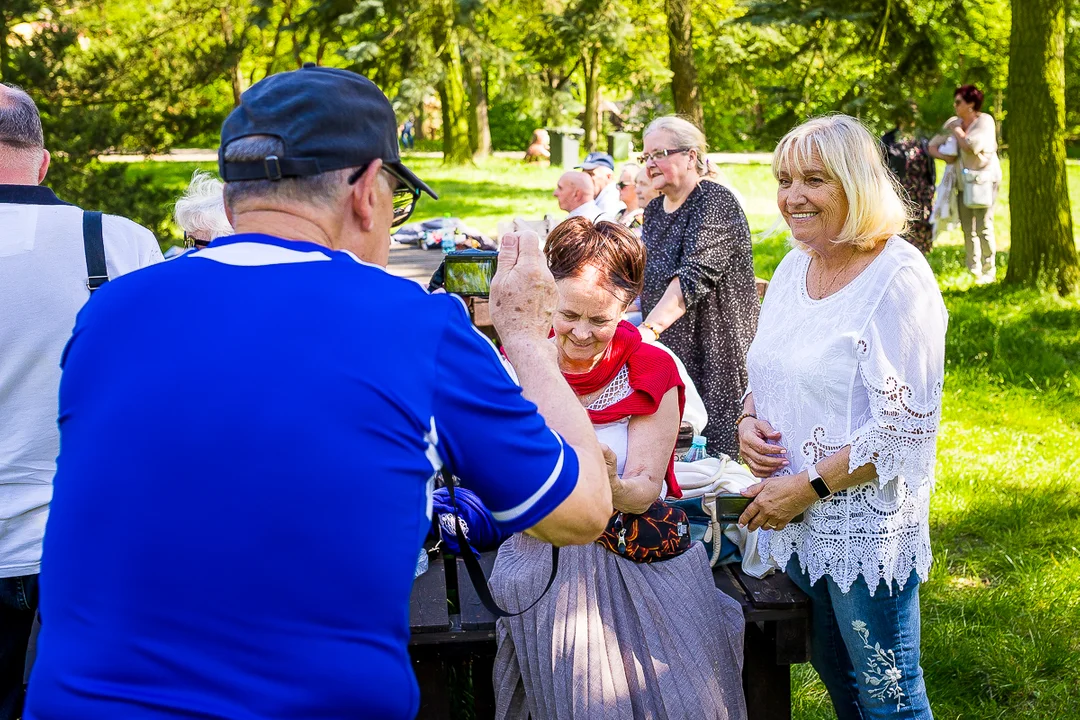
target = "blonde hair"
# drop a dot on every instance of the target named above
(686, 135)
(851, 156)
(202, 207)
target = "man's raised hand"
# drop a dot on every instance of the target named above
(523, 293)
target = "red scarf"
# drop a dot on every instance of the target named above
(652, 374)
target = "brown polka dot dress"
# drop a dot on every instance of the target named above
(706, 243)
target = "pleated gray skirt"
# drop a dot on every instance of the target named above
(614, 639)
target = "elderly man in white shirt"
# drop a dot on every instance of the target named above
(44, 281)
(574, 193)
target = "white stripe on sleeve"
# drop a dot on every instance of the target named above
(516, 512)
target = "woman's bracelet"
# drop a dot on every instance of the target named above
(655, 330)
(738, 420)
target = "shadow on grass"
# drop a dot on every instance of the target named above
(1012, 336)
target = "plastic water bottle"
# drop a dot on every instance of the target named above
(448, 243)
(421, 563)
(697, 450)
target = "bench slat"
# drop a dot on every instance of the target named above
(774, 592)
(428, 611)
(474, 616)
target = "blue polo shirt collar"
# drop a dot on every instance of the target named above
(29, 195)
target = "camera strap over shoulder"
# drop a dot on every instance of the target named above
(94, 248)
(476, 573)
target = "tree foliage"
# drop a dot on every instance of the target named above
(120, 75)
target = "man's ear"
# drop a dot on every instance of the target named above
(44, 169)
(365, 195)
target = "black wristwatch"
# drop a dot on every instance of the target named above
(818, 483)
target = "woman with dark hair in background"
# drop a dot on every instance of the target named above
(909, 159)
(979, 177)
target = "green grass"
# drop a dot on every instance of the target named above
(1001, 611)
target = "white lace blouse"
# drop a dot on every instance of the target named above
(862, 367)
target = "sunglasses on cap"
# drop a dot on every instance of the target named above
(405, 195)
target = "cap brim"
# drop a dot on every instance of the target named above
(593, 166)
(411, 177)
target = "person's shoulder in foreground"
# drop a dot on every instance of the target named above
(128, 245)
(900, 255)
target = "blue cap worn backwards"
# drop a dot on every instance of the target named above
(597, 159)
(327, 118)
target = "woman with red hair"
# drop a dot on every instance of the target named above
(613, 638)
(979, 172)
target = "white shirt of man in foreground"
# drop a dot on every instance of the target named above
(43, 284)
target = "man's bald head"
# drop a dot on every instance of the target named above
(574, 189)
(23, 158)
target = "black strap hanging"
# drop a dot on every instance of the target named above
(476, 573)
(94, 247)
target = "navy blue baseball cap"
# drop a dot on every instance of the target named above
(597, 159)
(327, 118)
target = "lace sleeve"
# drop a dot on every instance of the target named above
(901, 357)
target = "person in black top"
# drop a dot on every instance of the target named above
(909, 159)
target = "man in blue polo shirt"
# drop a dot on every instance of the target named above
(262, 567)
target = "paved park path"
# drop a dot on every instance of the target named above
(409, 261)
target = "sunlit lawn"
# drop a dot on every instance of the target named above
(1001, 611)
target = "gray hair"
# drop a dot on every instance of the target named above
(323, 189)
(686, 135)
(201, 209)
(20, 123)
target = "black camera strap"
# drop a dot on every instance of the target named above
(476, 573)
(94, 248)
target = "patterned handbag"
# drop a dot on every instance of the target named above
(660, 533)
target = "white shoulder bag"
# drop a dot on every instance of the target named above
(978, 189)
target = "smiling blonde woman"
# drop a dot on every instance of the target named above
(842, 412)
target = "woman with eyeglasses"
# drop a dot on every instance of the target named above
(699, 281)
(633, 215)
(975, 136)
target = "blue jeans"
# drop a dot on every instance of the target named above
(866, 649)
(18, 603)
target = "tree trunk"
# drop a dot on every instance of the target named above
(684, 81)
(272, 55)
(479, 129)
(235, 76)
(591, 68)
(1043, 248)
(4, 32)
(421, 115)
(455, 110)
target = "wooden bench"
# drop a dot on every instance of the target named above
(453, 640)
